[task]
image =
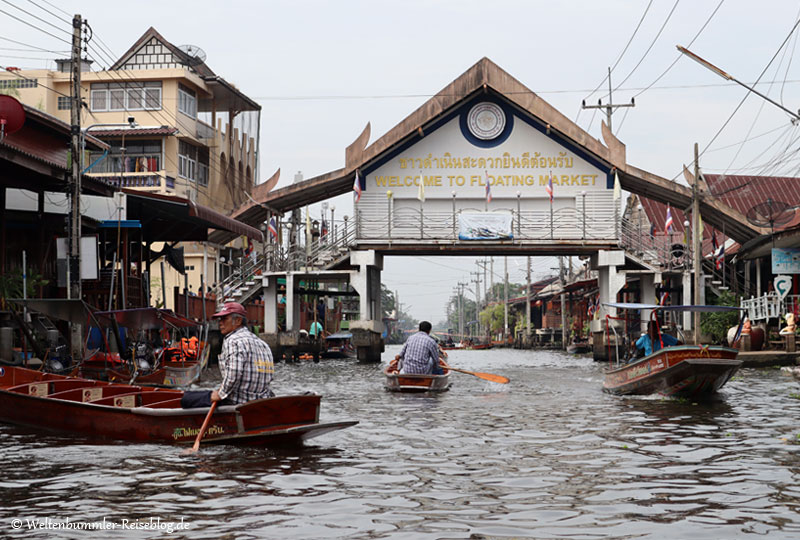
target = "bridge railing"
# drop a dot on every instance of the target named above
(659, 250)
(410, 223)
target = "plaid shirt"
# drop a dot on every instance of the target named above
(246, 366)
(420, 354)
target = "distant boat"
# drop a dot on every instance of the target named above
(408, 382)
(579, 347)
(104, 410)
(338, 346)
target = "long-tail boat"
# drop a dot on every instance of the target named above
(173, 366)
(408, 382)
(678, 370)
(105, 410)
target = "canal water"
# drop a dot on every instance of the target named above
(547, 456)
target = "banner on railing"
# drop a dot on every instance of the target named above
(485, 226)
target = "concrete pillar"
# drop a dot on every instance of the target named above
(686, 281)
(367, 283)
(648, 285)
(270, 289)
(292, 305)
(610, 282)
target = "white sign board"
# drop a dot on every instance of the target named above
(89, 260)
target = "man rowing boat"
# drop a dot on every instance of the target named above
(420, 354)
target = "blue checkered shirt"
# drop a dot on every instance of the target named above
(420, 354)
(246, 366)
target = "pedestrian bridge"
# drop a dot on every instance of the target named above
(483, 167)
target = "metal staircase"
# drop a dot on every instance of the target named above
(245, 282)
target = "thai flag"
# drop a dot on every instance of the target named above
(357, 186)
(549, 187)
(714, 244)
(324, 227)
(662, 301)
(668, 224)
(273, 228)
(590, 308)
(720, 256)
(488, 188)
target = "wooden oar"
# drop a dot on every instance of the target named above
(203, 429)
(486, 376)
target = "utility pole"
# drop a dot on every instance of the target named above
(563, 303)
(74, 257)
(477, 282)
(491, 278)
(609, 107)
(74, 235)
(696, 247)
(505, 299)
(528, 304)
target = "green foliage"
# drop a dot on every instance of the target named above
(11, 284)
(493, 318)
(717, 324)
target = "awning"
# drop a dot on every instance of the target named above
(168, 218)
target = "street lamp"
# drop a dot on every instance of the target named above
(708, 65)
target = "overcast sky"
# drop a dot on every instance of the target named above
(322, 70)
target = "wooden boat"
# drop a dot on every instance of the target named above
(408, 382)
(679, 370)
(579, 347)
(104, 410)
(175, 366)
(338, 346)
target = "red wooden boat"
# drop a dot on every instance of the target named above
(105, 410)
(407, 382)
(680, 370)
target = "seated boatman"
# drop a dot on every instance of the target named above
(420, 354)
(245, 362)
(650, 341)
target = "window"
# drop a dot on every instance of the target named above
(64, 103)
(187, 161)
(18, 83)
(126, 96)
(187, 101)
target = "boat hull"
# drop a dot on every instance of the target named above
(682, 371)
(413, 383)
(103, 410)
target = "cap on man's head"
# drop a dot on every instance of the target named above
(231, 308)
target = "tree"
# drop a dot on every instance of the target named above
(716, 324)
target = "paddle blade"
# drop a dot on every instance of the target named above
(485, 376)
(492, 377)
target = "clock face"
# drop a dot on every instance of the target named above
(486, 121)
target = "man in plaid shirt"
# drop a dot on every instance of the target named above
(245, 362)
(420, 354)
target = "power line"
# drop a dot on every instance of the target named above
(725, 124)
(35, 27)
(69, 22)
(651, 45)
(641, 19)
(38, 18)
(678, 57)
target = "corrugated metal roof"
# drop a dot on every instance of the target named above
(739, 192)
(137, 132)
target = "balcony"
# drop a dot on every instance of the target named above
(155, 182)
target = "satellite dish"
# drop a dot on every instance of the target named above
(195, 55)
(12, 115)
(770, 213)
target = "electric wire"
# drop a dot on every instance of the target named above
(60, 18)
(35, 17)
(641, 19)
(744, 98)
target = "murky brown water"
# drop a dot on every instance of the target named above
(548, 456)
